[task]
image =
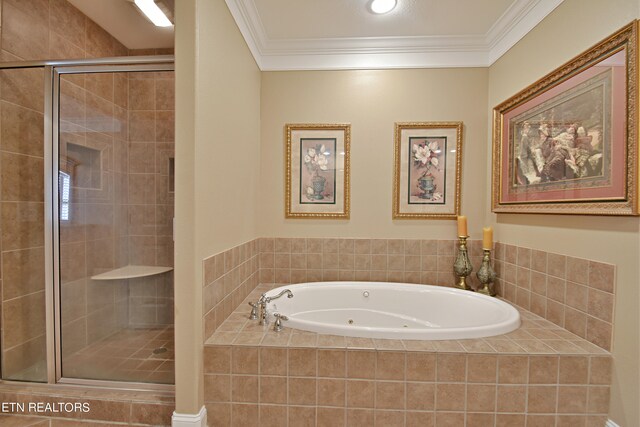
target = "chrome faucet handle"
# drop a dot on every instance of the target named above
(277, 326)
(254, 311)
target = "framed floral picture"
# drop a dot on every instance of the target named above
(568, 144)
(427, 170)
(317, 170)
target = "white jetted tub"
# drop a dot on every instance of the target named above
(393, 311)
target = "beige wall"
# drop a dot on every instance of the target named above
(372, 101)
(217, 155)
(571, 28)
(188, 363)
(227, 133)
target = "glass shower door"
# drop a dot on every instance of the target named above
(115, 212)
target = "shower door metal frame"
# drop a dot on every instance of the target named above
(115, 65)
(53, 323)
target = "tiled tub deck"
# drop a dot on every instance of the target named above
(538, 375)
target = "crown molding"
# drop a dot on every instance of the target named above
(248, 21)
(520, 18)
(388, 52)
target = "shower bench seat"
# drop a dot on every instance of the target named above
(131, 272)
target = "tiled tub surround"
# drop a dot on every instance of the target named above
(229, 277)
(294, 260)
(576, 294)
(539, 375)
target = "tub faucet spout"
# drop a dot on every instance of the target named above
(264, 300)
(286, 291)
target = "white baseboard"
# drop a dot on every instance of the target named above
(190, 420)
(200, 420)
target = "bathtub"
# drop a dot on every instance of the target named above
(393, 311)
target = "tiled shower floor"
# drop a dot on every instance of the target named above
(137, 355)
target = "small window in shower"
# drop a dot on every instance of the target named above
(65, 195)
(84, 165)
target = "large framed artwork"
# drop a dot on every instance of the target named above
(427, 170)
(568, 144)
(317, 170)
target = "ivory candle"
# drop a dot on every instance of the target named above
(462, 225)
(487, 238)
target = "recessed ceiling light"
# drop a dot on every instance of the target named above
(153, 12)
(382, 6)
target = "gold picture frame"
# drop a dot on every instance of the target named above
(427, 170)
(317, 170)
(568, 143)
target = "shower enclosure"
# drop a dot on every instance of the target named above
(86, 221)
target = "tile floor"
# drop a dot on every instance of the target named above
(137, 355)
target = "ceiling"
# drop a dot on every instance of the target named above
(343, 34)
(123, 21)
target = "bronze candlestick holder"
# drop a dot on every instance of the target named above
(462, 265)
(486, 275)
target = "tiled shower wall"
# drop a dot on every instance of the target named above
(21, 221)
(574, 293)
(128, 219)
(151, 194)
(31, 29)
(94, 237)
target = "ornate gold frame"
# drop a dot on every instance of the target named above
(624, 39)
(399, 127)
(346, 128)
